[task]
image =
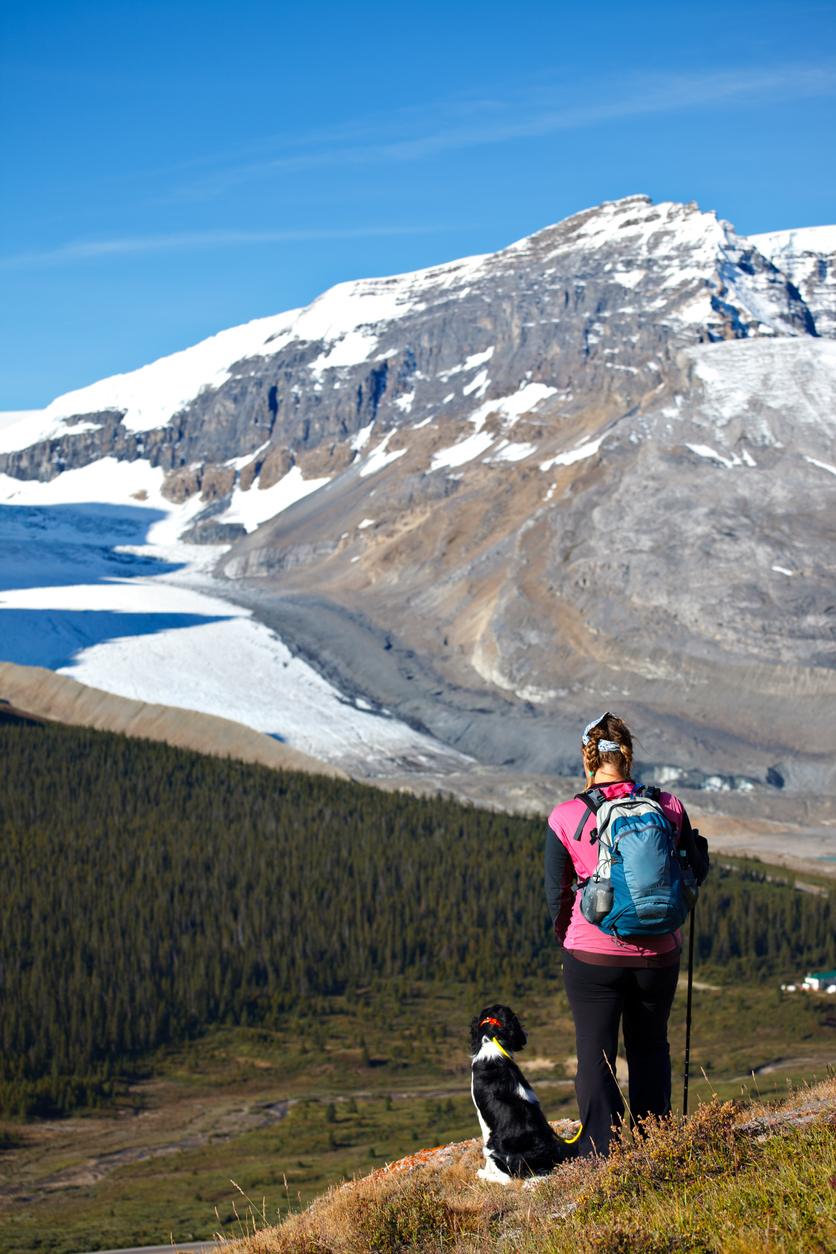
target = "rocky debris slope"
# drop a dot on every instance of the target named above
(595, 468)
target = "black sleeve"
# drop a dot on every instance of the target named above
(696, 849)
(560, 872)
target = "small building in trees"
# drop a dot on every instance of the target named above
(821, 981)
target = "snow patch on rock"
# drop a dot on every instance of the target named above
(256, 506)
(588, 449)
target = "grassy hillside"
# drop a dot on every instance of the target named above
(726, 1181)
(152, 893)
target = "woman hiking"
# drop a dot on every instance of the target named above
(610, 977)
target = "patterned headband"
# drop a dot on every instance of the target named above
(594, 723)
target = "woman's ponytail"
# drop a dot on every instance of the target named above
(613, 730)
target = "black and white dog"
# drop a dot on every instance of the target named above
(518, 1140)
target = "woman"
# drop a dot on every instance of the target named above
(608, 978)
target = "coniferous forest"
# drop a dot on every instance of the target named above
(149, 893)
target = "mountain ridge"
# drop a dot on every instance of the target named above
(144, 402)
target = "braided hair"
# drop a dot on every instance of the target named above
(615, 729)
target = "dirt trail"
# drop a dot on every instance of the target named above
(196, 1246)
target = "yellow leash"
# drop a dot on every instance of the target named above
(569, 1140)
(501, 1050)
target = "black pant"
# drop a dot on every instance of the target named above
(599, 996)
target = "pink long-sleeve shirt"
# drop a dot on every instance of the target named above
(581, 935)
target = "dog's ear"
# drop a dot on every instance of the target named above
(520, 1035)
(514, 1032)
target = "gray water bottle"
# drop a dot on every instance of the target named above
(597, 899)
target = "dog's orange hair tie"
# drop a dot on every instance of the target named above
(496, 1022)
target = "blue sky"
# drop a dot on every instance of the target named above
(170, 169)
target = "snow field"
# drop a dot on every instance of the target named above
(95, 584)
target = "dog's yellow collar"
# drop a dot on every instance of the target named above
(499, 1047)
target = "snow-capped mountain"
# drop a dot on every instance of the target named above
(663, 277)
(593, 468)
(806, 257)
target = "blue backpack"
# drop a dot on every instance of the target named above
(642, 884)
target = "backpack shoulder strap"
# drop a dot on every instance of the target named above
(648, 790)
(593, 799)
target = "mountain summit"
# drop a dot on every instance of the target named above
(593, 469)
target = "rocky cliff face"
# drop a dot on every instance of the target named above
(593, 469)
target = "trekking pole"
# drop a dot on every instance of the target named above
(688, 1012)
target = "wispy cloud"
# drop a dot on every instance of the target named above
(85, 250)
(420, 133)
(536, 110)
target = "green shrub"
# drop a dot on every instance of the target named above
(415, 1217)
(676, 1151)
(618, 1240)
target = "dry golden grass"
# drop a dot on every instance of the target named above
(758, 1178)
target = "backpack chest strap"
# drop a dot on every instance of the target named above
(580, 827)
